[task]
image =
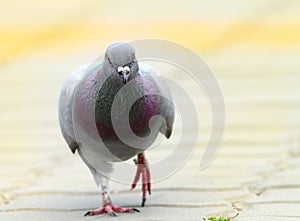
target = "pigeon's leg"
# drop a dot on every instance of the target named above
(107, 205)
(142, 169)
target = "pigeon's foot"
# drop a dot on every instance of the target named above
(110, 209)
(142, 169)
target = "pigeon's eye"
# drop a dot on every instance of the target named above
(130, 63)
(108, 60)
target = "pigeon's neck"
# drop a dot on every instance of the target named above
(143, 108)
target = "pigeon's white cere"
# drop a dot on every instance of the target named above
(121, 69)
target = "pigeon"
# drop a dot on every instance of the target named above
(108, 113)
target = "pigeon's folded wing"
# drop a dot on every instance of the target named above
(166, 106)
(65, 106)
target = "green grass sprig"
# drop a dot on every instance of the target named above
(220, 218)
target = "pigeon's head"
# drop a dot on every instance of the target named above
(120, 60)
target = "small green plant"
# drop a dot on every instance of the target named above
(220, 218)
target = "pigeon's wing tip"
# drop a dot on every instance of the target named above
(168, 132)
(74, 146)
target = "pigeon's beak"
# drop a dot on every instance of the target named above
(124, 73)
(125, 77)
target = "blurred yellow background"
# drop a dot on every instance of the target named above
(205, 26)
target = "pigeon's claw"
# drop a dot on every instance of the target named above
(143, 201)
(95, 212)
(87, 213)
(142, 169)
(135, 210)
(111, 210)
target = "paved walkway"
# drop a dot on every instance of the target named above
(256, 173)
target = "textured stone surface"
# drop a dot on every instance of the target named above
(255, 57)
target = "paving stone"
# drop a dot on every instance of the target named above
(288, 195)
(269, 210)
(255, 172)
(147, 213)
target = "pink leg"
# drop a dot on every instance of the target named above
(142, 169)
(109, 208)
